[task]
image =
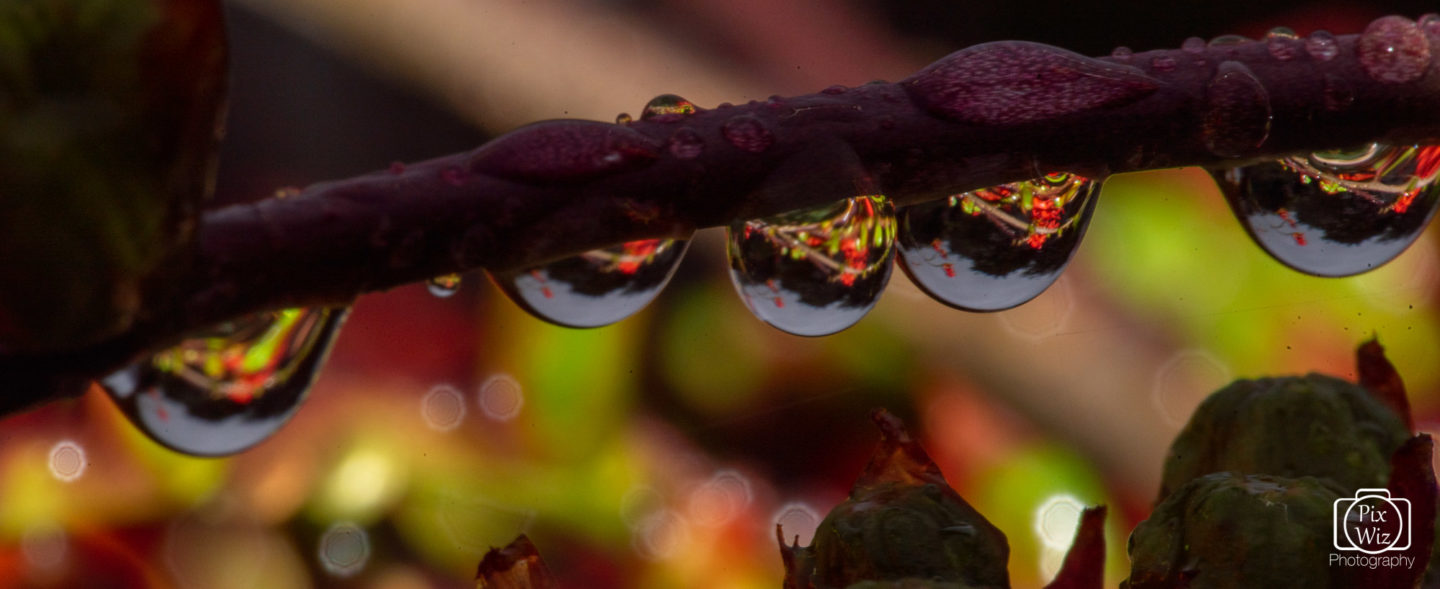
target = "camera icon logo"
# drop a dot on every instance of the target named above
(1372, 522)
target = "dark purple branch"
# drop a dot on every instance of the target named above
(988, 114)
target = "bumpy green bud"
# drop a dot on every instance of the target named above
(1314, 425)
(897, 530)
(1227, 530)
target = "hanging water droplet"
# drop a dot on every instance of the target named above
(1237, 111)
(748, 133)
(1337, 213)
(1193, 45)
(1393, 50)
(1163, 63)
(214, 395)
(1283, 43)
(598, 287)
(816, 271)
(1122, 54)
(993, 249)
(444, 286)
(623, 119)
(666, 104)
(1321, 45)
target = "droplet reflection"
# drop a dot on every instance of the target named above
(223, 392)
(996, 248)
(817, 271)
(1337, 213)
(598, 287)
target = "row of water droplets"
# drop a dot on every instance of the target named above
(818, 271)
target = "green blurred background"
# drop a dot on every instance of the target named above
(661, 451)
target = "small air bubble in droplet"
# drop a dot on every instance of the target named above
(444, 286)
(1163, 63)
(1193, 45)
(501, 397)
(344, 549)
(748, 133)
(1282, 43)
(1321, 46)
(1122, 54)
(666, 104)
(623, 118)
(686, 144)
(443, 408)
(67, 461)
(797, 519)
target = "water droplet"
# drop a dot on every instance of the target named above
(1337, 213)
(67, 461)
(1282, 43)
(218, 394)
(1430, 24)
(816, 271)
(1338, 93)
(666, 104)
(598, 287)
(996, 248)
(623, 119)
(1321, 46)
(501, 397)
(1237, 111)
(444, 286)
(748, 133)
(1229, 40)
(1164, 63)
(344, 549)
(443, 408)
(686, 144)
(1193, 45)
(1123, 54)
(397, 168)
(797, 520)
(1393, 50)
(836, 89)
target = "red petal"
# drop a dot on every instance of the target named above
(517, 566)
(1378, 376)
(1084, 566)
